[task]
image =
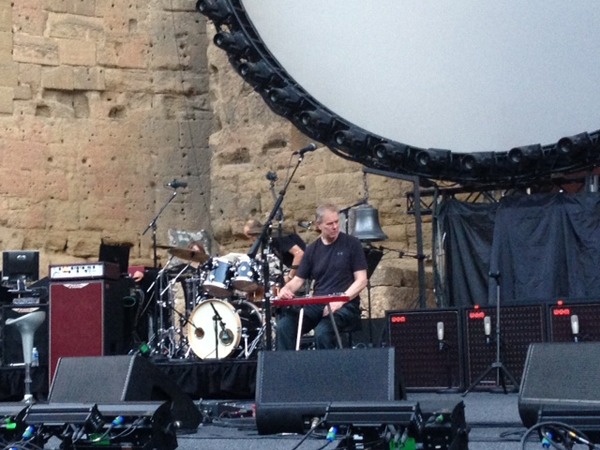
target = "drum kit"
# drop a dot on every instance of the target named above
(223, 315)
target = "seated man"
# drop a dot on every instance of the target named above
(337, 264)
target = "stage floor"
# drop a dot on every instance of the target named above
(223, 392)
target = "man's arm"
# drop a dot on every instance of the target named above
(298, 253)
(291, 287)
(359, 283)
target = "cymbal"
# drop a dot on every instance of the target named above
(186, 254)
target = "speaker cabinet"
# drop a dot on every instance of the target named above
(294, 387)
(423, 361)
(560, 377)
(12, 348)
(124, 378)
(86, 319)
(520, 325)
(585, 315)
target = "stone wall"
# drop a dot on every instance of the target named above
(101, 104)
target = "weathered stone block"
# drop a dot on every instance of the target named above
(76, 52)
(35, 49)
(88, 78)
(6, 100)
(9, 73)
(60, 78)
(5, 16)
(68, 26)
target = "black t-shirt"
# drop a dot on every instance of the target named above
(332, 266)
(282, 245)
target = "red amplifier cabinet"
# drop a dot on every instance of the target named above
(423, 360)
(86, 319)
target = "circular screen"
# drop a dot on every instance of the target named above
(467, 76)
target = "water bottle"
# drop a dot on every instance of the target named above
(35, 357)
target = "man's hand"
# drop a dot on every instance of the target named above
(334, 307)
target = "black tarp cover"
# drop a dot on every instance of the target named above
(543, 246)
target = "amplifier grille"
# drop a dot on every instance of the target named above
(420, 360)
(519, 327)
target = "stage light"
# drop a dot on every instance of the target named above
(234, 43)
(257, 73)
(350, 139)
(477, 164)
(216, 10)
(316, 123)
(432, 160)
(387, 153)
(574, 146)
(284, 97)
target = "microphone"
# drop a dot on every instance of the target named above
(575, 327)
(175, 184)
(271, 176)
(487, 328)
(309, 148)
(305, 224)
(226, 336)
(440, 335)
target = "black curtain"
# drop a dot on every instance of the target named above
(543, 246)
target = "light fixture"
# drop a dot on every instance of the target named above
(432, 161)
(350, 139)
(284, 97)
(573, 147)
(317, 122)
(235, 43)
(216, 10)
(257, 73)
(390, 154)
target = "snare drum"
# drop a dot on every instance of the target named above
(218, 280)
(246, 276)
(239, 321)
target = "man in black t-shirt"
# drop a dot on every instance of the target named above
(337, 264)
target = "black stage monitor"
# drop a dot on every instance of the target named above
(20, 265)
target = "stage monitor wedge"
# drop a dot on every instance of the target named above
(123, 378)
(293, 387)
(560, 377)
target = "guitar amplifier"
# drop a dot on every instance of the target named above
(428, 348)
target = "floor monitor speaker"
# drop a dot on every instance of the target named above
(124, 378)
(559, 377)
(295, 387)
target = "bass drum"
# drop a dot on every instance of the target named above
(241, 323)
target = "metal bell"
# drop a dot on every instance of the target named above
(366, 224)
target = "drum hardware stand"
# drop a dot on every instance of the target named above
(263, 241)
(225, 335)
(498, 366)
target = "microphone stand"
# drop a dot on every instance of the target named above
(217, 319)
(262, 241)
(497, 365)
(152, 226)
